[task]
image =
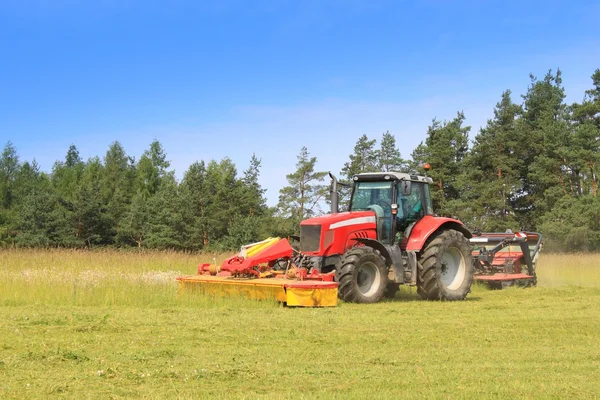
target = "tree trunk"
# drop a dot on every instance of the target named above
(562, 182)
(593, 179)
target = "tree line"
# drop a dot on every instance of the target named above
(533, 166)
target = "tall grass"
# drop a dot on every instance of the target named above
(579, 269)
(112, 277)
(105, 277)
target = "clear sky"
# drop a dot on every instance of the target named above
(211, 79)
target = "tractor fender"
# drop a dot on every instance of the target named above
(392, 255)
(428, 225)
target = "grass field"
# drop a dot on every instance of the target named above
(111, 325)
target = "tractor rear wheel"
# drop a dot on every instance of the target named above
(363, 276)
(445, 267)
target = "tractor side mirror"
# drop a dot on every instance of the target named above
(405, 188)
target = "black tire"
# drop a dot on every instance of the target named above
(280, 265)
(445, 267)
(362, 276)
(391, 290)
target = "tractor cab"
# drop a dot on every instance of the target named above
(398, 200)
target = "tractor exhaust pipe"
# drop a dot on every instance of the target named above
(333, 194)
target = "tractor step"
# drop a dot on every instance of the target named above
(293, 293)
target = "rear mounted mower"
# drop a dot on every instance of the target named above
(506, 259)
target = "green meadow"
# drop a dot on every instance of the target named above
(110, 324)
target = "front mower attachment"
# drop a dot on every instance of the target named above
(291, 292)
(505, 259)
(265, 271)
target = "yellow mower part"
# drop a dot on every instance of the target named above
(261, 246)
(292, 292)
(300, 297)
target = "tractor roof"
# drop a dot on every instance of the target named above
(401, 176)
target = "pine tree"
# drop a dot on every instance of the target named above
(364, 158)
(91, 222)
(573, 222)
(117, 181)
(34, 227)
(9, 169)
(152, 168)
(252, 200)
(250, 225)
(491, 171)
(301, 198)
(544, 134)
(66, 178)
(165, 222)
(66, 175)
(27, 180)
(135, 225)
(444, 149)
(222, 187)
(389, 157)
(196, 197)
(584, 149)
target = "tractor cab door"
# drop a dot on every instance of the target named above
(413, 206)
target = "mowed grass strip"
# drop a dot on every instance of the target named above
(147, 341)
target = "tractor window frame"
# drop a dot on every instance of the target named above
(428, 202)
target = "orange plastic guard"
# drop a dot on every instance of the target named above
(278, 250)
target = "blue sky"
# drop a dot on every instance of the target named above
(211, 79)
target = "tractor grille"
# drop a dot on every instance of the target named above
(310, 237)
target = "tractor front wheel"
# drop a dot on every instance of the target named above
(362, 276)
(445, 267)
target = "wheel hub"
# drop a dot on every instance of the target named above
(368, 279)
(452, 268)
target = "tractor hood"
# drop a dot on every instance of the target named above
(333, 233)
(333, 221)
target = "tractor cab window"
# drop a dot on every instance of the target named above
(372, 193)
(413, 206)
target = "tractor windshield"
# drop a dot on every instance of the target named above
(370, 193)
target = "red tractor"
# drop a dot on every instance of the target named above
(389, 237)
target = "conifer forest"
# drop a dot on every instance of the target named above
(533, 166)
